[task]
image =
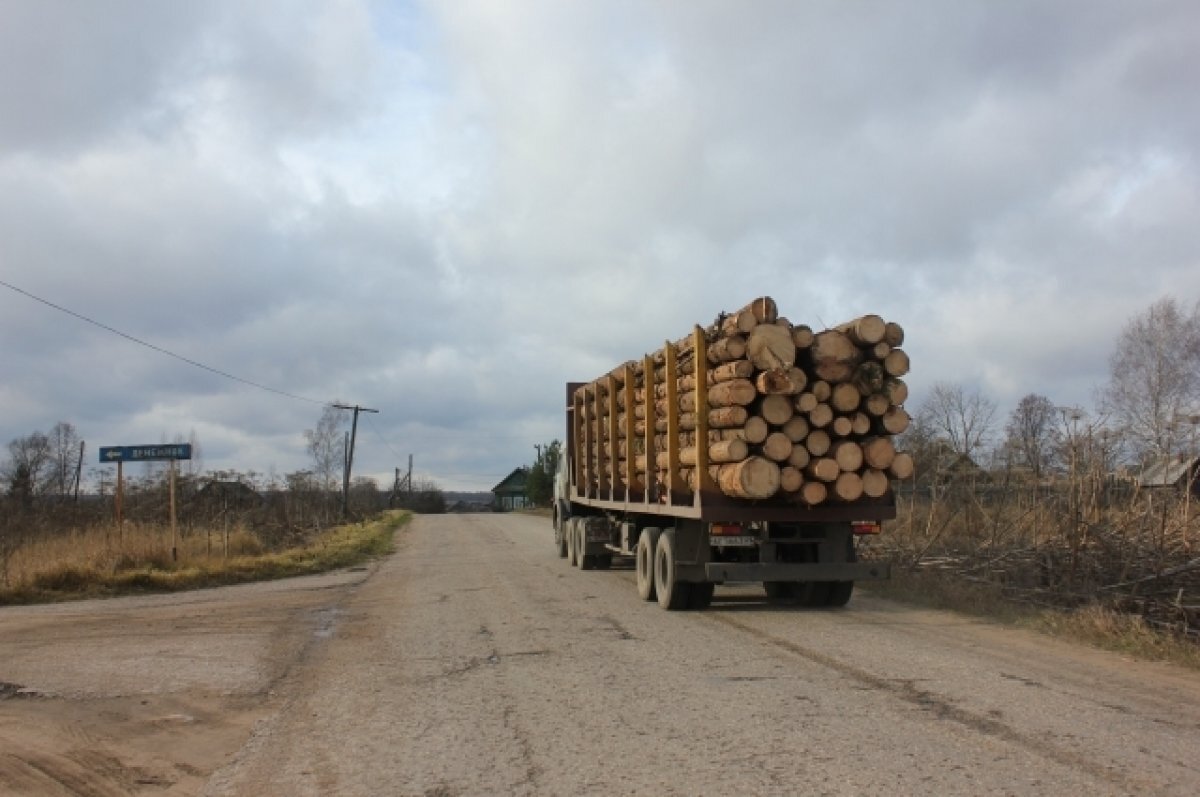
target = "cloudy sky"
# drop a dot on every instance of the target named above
(448, 210)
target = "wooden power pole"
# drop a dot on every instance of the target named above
(350, 455)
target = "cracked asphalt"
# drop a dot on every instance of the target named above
(474, 661)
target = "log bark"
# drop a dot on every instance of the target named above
(868, 378)
(726, 372)
(725, 417)
(802, 336)
(736, 392)
(727, 349)
(894, 334)
(770, 347)
(754, 477)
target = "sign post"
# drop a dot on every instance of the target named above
(159, 453)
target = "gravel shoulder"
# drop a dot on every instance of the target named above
(474, 661)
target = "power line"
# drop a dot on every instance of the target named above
(159, 349)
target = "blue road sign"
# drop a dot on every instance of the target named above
(145, 453)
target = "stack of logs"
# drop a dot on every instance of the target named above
(792, 414)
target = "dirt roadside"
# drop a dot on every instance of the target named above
(476, 662)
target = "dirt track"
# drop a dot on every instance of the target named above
(474, 661)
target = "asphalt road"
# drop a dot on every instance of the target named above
(474, 661)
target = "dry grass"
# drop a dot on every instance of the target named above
(103, 562)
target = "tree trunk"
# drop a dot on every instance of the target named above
(776, 409)
(777, 447)
(848, 487)
(875, 483)
(771, 347)
(754, 477)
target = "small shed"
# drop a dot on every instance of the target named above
(1178, 472)
(510, 492)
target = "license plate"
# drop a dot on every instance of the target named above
(727, 541)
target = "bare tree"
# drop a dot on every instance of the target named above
(27, 472)
(1032, 434)
(1154, 375)
(327, 447)
(64, 458)
(961, 417)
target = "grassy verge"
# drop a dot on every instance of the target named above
(1091, 625)
(96, 564)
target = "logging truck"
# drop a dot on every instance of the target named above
(750, 451)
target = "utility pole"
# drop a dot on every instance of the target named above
(350, 455)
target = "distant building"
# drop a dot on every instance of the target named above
(1177, 472)
(510, 493)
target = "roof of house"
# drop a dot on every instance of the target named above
(513, 482)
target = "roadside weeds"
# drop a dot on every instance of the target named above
(104, 567)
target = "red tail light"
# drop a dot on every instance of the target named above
(725, 529)
(865, 527)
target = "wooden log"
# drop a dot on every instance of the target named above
(896, 363)
(865, 331)
(805, 402)
(895, 389)
(845, 397)
(799, 458)
(877, 405)
(777, 447)
(740, 322)
(802, 336)
(842, 426)
(821, 389)
(770, 347)
(821, 416)
(790, 479)
(902, 466)
(725, 417)
(817, 442)
(848, 487)
(755, 429)
(880, 350)
(813, 493)
(847, 454)
(754, 477)
(895, 420)
(736, 392)
(868, 378)
(875, 483)
(860, 424)
(776, 409)
(878, 452)
(726, 372)
(796, 428)
(727, 349)
(823, 469)
(781, 381)
(764, 310)
(723, 451)
(834, 356)
(893, 334)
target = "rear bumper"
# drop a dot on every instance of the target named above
(719, 572)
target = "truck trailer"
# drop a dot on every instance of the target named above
(661, 465)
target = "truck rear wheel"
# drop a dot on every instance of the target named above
(585, 560)
(840, 591)
(672, 593)
(569, 530)
(646, 544)
(560, 533)
(781, 591)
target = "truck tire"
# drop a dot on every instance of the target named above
(560, 533)
(586, 561)
(603, 561)
(672, 593)
(700, 596)
(780, 591)
(840, 591)
(646, 544)
(569, 533)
